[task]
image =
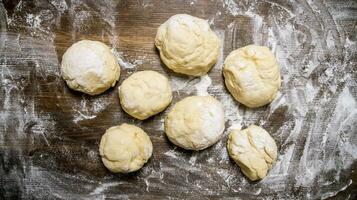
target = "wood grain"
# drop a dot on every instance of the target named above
(49, 151)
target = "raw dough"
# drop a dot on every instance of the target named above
(195, 122)
(125, 148)
(253, 149)
(89, 67)
(187, 45)
(252, 75)
(144, 94)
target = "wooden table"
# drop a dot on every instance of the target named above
(49, 134)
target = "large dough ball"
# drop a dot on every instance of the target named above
(89, 67)
(254, 150)
(187, 45)
(125, 148)
(252, 75)
(144, 94)
(195, 122)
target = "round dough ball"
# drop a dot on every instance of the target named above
(187, 45)
(254, 150)
(195, 122)
(252, 75)
(144, 94)
(125, 148)
(90, 67)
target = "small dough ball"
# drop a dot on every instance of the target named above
(195, 122)
(144, 94)
(252, 75)
(90, 67)
(254, 150)
(187, 45)
(125, 148)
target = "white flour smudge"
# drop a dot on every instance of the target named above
(202, 86)
(102, 187)
(231, 107)
(34, 21)
(179, 84)
(173, 154)
(125, 65)
(316, 136)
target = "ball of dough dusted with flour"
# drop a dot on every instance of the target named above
(90, 67)
(252, 75)
(195, 122)
(187, 45)
(125, 148)
(254, 150)
(144, 94)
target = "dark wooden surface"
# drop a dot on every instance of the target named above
(49, 135)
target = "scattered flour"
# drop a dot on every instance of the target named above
(125, 65)
(34, 21)
(182, 83)
(202, 86)
(103, 186)
(88, 109)
(173, 154)
(312, 119)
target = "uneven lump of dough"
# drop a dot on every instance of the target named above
(252, 75)
(144, 94)
(90, 67)
(195, 122)
(254, 150)
(187, 45)
(125, 148)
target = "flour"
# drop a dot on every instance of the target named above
(128, 64)
(231, 107)
(88, 109)
(183, 83)
(172, 154)
(312, 118)
(103, 186)
(39, 24)
(331, 194)
(301, 97)
(257, 29)
(34, 21)
(193, 2)
(20, 119)
(125, 65)
(61, 5)
(231, 6)
(202, 86)
(217, 68)
(193, 158)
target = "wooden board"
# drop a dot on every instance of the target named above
(49, 134)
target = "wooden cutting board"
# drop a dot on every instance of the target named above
(49, 134)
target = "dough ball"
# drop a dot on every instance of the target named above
(252, 75)
(195, 122)
(187, 45)
(125, 148)
(254, 150)
(89, 67)
(144, 94)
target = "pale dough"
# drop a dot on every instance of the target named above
(125, 148)
(252, 75)
(195, 122)
(187, 45)
(144, 94)
(254, 150)
(90, 67)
